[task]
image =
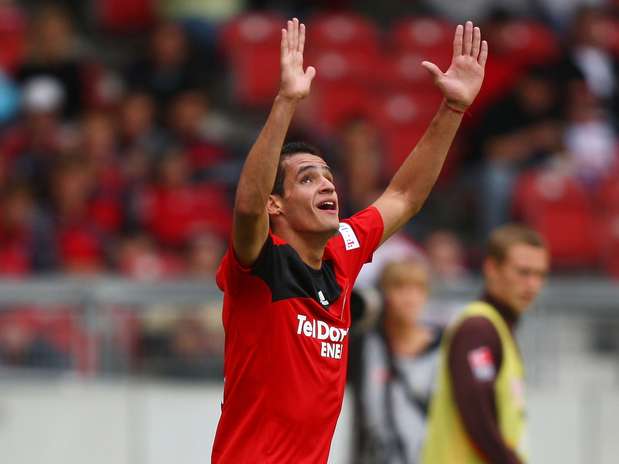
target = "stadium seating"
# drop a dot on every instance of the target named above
(344, 32)
(402, 117)
(402, 71)
(174, 215)
(423, 34)
(342, 88)
(251, 44)
(530, 42)
(561, 210)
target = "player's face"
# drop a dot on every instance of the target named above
(404, 302)
(518, 280)
(310, 201)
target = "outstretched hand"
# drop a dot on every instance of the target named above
(462, 81)
(295, 83)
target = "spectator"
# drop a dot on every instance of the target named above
(138, 126)
(22, 344)
(179, 348)
(590, 140)
(167, 69)
(174, 209)
(589, 56)
(53, 54)
(30, 146)
(502, 71)
(188, 355)
(26, 238)
(205, 252)
(187, 116)
(80, 243)
(562, 12)
(518, 131)
(395, 376)
(139, 258)
(99, 148)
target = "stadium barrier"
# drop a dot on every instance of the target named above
(131, 380)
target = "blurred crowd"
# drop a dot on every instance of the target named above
(123, 126)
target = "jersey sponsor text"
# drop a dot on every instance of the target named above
(331, 338)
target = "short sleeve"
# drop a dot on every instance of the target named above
(230, 270)
(358, 238)
(232, 274)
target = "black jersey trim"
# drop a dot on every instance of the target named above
(287, 276)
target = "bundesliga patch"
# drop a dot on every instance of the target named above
(482, 364)
(350, 239)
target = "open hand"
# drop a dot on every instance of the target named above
(462, 81)
(295, 83)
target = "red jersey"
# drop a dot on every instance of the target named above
(286, 348)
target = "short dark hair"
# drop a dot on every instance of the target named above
(504, 237)
(288, 150)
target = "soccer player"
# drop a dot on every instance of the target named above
(477, 412)
(288, 274)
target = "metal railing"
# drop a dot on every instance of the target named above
(99, 311)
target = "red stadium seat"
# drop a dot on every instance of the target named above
(252, 30)
(403, 71)
(256, 76)
(344, 32)
(559, 208)
(175, 215)
(251, 43)
(425, 35)
(332, 104)
(530, 42)
(339, 66)
(342, 87)
(402, 119)
(414, 40)
(12, 37)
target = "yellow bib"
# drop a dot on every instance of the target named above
(447, 441)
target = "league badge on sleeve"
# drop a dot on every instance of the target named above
(350, 239)
(482, 364)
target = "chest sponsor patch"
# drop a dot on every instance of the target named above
(482, 364)
(331, 338)
(350, 239)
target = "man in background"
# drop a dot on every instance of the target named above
(478, 412)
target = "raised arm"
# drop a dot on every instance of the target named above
(251, 222)
(412, 183)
